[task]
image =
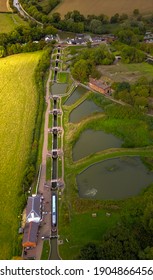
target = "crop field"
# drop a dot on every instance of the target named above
(126, 72)
(9, 21)
(107, 7)
(18, 99)
(4, 6)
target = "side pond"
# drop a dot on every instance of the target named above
(76, 94)
(92, 141)
(117, 178)
(85, 109)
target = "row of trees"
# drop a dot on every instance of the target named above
(75, 21)
(84, 65)
(132, 238)
(24, 39)
(32, 166)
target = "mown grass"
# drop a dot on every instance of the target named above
(46, 250)
(62, 77)
(9, 21)
(48, 168)
(18, 101)
(83, 228)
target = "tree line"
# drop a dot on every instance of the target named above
(32, 166)
(74, 21)
(24, 39)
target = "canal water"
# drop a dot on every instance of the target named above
(118, 178)
(85, 109)
(76, 94)
(92, 141)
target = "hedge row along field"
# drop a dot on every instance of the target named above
(109, 7)
(18, 101)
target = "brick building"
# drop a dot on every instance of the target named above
(99, 86)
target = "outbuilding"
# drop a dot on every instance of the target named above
(99, 86)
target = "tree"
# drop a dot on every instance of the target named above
(120, 243)
(56, 18)
(81, 70)
(89, 252)
(2, 51)
(136, 12)
(128, 37)
(96, 26)
(115, 18)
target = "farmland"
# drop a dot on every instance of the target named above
(4, 6)
(9, 21)
(18, 110)
(109, 7)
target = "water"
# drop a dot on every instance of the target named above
(76, 94)
(114, 179)
(58, 89)
(54, 250)
(85, 109)
(92, 141)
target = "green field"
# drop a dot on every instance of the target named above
(18, 101)
(84, 228)
(109, 7)
(9, 21)
(126, 72)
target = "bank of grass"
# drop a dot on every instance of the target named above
(48, 168)
(75, 220)
(18, 101)
(62, 77)
(8, 21)
(46, 250)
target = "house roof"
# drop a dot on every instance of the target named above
(33, 209)
(99, 84)
(30, 233)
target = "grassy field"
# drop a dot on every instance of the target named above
(83, 229)
(126, 72)
(4, 6)
(109, 7)
(18, 101)
(9, 21)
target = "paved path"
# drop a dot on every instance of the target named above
(45, 226)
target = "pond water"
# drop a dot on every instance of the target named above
(57, 89)
(92, 141)
(117, 178)
(76, 94)
(85, 109)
